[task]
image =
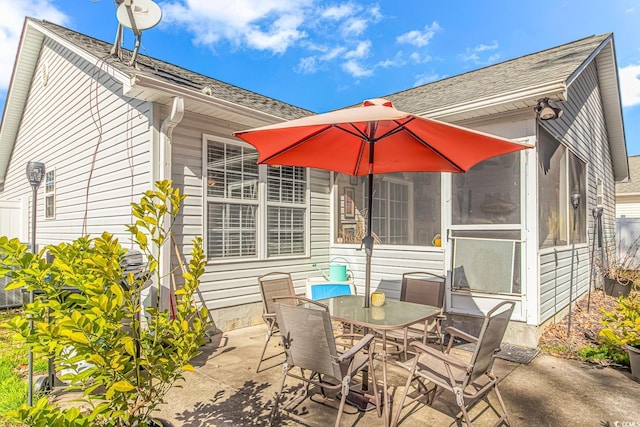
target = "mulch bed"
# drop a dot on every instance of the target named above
(585, 327)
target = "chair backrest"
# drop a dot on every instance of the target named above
(423, 288)
(307, 336)
(490, 338)
(273, 285)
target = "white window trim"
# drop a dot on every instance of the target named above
(50, 193)
(261, 220)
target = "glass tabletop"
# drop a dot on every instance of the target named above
(391, 315)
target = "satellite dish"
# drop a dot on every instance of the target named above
(139, 14)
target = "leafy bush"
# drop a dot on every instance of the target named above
(130, 363)
(623, 323)
(603, 354)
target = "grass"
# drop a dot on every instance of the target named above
(13, 369)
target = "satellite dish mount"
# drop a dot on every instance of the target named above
(138, 15)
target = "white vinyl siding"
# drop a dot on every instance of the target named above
(97, 141)
(582, 129)
(233, 282)
(628, 206)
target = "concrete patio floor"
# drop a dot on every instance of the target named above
(224, 390)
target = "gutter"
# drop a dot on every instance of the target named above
(556, 91)
(146, 83)
(165, 154)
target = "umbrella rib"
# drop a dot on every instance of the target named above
(426, 144)
(361, 135)
(358, 133)
(296, 144)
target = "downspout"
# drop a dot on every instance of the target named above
(165, 154)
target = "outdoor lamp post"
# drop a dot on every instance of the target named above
(35, 174)
(575, 202)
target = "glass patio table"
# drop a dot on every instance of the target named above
(392, 315)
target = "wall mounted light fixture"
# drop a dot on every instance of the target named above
(545, 111)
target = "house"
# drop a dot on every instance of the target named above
(628, 192)
(628, 212)
(502, 231)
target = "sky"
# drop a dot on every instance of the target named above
(324, 55)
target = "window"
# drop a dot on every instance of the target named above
(286, 210)
(50, 194)
(406, 209)
(488, 193)
(391, 218)
(578, 185)
(599, 193)
(486, 262)
(560, 173)
(247, 204)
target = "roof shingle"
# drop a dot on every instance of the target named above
(551, 65)
(182, 77)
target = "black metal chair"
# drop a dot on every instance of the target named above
(469, 381)
(309, 343)
(421, 288)
(272, 285)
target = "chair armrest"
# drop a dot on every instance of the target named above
(454, 332)
(268, 316)
(356, 348)
(442, 356)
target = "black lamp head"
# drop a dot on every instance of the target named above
(546, 111)
(35, 173)
(575, 199)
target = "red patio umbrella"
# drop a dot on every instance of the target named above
(374, 138)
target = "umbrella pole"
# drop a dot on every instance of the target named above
(367, 241)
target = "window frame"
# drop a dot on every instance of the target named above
(262, 206)
(567, 210)
(50, 194)
(337, 191)
(387, 219)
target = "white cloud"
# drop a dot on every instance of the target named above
(419, 38)
(334, 53)
(271, 25)
(322, 35)
(418, 58)
(483, 47)
(473, 54)
(396, 61)
(361, 50)
(11, 22)
(308, 65)
(630, 85)
(422, 79)
(356, 70)
(473, 57)
(338, 12)
(354, 26)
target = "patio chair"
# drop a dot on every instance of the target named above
(469, 381)
(272, 285)
(421, 288)
(309, 343)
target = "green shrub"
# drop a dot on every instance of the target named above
(622, 325)
(132, 364)
(603, 354)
